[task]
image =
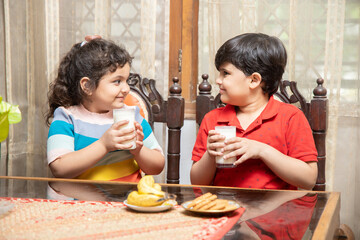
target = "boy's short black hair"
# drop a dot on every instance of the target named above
(255, 52)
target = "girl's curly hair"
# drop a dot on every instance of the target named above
(92, 60)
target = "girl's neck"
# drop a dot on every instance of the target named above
(89, 107)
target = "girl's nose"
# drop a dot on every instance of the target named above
(125, 88)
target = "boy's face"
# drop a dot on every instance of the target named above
(234, 85)
(111, 91)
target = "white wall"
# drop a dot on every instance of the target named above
(188, 137)
(187, 141)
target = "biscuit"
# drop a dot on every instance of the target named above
(199, 199)
(220, 205)
(204, 202)
(210, 201)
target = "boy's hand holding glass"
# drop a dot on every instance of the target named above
(216, 143)
(245, 148)
(228, 132)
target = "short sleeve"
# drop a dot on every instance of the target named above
(61, 136)
(300, 141)
(149, 137)
(201, 141)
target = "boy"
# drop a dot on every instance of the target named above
(273, 144)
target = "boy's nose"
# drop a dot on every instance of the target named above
(218, 80)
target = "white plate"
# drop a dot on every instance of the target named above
(160, 208)
(234, 204)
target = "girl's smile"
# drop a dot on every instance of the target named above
(111, 91)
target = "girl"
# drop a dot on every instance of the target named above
(83, 141)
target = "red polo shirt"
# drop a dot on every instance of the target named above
(280, 125)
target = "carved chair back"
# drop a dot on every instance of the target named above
(155, 108)
(316, 111)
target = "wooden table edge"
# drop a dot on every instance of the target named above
(330, 218)
(49, 179)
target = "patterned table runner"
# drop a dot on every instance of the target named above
(53, 219)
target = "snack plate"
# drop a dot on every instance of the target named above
(160, 208)
(235, 204)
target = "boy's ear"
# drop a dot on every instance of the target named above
(255, 80)
(85, 85)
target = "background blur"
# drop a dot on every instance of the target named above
(322, 40)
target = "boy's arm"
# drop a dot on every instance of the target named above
(203, 171)
(293, 171)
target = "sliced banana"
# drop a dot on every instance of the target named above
(146, 186)
(143, 200)
(149, 193)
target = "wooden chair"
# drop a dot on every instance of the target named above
(154, 108)
(316, 111)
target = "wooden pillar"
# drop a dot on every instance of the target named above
(204, 101)
(175, 121)
(318, 123)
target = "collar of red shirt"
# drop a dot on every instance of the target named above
(228, 114)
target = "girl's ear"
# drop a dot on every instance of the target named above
(255, 80)
(85, 85)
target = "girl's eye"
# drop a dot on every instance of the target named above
(117, 81)
(226, 73)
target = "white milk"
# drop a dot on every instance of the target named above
(228, 132)
(126, 113)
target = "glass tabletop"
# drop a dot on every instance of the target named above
(269, 214)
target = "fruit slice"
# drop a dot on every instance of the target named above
(146, 186)
(143, 200)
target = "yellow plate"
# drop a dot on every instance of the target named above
(235, 204)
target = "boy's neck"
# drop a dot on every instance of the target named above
(248, 113)
(255, 105)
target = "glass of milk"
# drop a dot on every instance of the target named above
(126, 113)
(228, 132)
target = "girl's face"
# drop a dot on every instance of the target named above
(233, 84)
(111, 91)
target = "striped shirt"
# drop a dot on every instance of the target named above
(75, 128)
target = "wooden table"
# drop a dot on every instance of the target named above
(268, 213)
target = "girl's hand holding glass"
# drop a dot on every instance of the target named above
(116, 138)
(139, 138)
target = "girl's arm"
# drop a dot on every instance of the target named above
(72, 164)
(151, 161)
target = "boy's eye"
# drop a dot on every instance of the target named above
(226, 73)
